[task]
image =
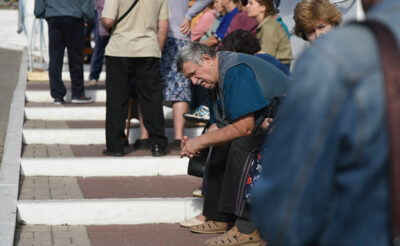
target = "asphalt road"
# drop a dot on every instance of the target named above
(9, 69)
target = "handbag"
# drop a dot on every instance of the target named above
(123, 16)
(197, 164)
(390, 58)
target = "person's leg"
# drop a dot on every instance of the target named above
(74, 41)
(56, 55)
(214, 181)
(149, 91)
(96, 63)
(117, 90)
(238, 153)
(144, 134)
(179, 108)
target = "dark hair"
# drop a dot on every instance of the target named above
(241, 41)
(270, 8)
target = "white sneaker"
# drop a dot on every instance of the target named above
(93, 82)
(197, 193)
(191, 222)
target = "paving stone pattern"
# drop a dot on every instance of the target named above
(59, 188)
(47, 188)
(42, 235)
(145, 235)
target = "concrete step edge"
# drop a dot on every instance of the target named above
(41, 96)
(76, 136)
(74, 113)
(108, 211)
(104, 166)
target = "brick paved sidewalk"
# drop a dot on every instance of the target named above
(115, 235)
(47, 188)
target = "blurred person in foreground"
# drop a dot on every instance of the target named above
(314, 18)
(325, 176)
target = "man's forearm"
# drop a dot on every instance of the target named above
(240, 128)
(162, 32)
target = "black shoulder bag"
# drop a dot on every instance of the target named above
(123, 16)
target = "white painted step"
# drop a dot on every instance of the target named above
(88, 136)
(44, 95)
(66, 76)
(74, 113)
(105, 166)
(109, 211)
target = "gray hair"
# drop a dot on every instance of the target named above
(193, 52)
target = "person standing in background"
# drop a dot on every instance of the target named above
(66, 20)
(134, 51)
(101, 38)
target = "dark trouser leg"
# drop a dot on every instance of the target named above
(224, 177)
(56, 55)
(149, 91)
(96, 62)
(117, 90)
(214, 180)
(74, 41)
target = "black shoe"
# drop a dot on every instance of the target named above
(115, 154)
(142, 144)
(177, 144)
(157, 150)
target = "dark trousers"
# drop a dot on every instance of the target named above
(65, 32)
(145, 72)
(100, 43)
(223, 177)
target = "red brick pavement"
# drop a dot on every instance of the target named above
(145, 235)
(95, 150)
(137, 187)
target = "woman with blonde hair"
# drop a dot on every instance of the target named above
(273, 38)
(314, 18)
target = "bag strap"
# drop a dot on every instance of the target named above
(390, 58)
(124, 15)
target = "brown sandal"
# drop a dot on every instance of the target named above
(234, 238)
(211, 226)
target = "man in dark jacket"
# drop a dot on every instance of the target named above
(66, 20)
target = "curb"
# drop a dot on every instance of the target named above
(10, 169)
(109, 211)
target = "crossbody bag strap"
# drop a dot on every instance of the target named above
(390, 58)
(124, 15)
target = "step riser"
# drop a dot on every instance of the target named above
(109, 211)
(88, 136)
(105, 166)
(66, 76)
(74, 113)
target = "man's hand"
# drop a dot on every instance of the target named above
(190, 147)
(185, 26)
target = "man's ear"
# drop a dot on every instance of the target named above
(206, 57)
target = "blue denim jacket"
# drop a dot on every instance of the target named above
(325, 174)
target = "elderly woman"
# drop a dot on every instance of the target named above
(314, 18)
(273, 38)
